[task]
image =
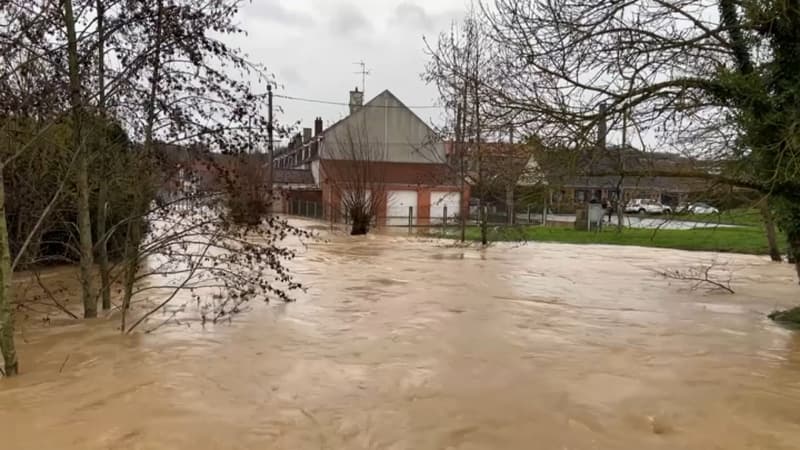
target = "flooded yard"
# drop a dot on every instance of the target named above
(402, 343)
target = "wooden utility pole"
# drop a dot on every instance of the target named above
(270, 147)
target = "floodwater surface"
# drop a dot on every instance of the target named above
(402, 343)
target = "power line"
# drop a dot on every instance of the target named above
(328, 102)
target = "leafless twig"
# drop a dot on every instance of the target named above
(63, 364)
(47, 292)
(701, 276)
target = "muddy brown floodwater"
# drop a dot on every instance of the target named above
(407, 344)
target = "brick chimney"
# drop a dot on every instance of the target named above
(356, 100)
(306, 134)
(317, 126)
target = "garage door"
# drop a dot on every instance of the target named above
(398, 204)
(440, 200)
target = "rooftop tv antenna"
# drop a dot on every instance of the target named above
(363, 72)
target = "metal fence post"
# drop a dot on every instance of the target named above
(410, 218)
(315, 210)
(444, 221)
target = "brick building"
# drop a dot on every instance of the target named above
(384, 148)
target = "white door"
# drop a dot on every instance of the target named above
(397, 207)
(441, 200)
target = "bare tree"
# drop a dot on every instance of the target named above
(354, 168)
(179, 96)
(193, 247)
(77, 109)
(154, 67)
(28, 94)
(689, 74)
(448, 69)
(462, 66)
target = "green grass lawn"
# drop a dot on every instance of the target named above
(745, 217)
(751, 240)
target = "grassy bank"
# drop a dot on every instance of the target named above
(750, 240)
(789, 318)
(750, 217)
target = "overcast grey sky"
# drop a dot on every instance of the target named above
(311, 47)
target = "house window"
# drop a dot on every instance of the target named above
(580, 196)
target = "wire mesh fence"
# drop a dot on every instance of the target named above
(414, 218)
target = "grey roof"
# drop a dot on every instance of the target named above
(371, 104)
(599, 168)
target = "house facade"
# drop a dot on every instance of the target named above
(616, 173)
(385, 149)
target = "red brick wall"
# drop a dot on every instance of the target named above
(424, 206)
(423, 178)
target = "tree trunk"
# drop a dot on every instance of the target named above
(461, 123)
(82, 176)
(7, 348)
(86, 246)
(619, 208)
(102, 195)
(510, 207)
(131, 267)
(769, 225)
(361, 223)
(794, 251)
(481, 179)
(464, 206)
(133, 236)
(484, 225)
(102, 249)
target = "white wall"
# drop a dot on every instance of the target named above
(315, 171)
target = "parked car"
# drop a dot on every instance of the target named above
(647, 206)
(699, 208)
